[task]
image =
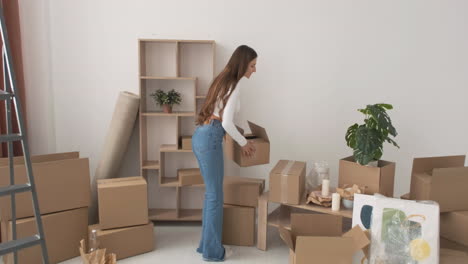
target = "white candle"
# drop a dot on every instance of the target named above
(325, 187)
(336, 199)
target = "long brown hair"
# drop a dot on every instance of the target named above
(229, 77)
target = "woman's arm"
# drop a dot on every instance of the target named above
(228, 118)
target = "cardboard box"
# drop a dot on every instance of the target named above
(321, 243)
(378, 179)
(242, 191)
(261, 142)
(125, 242)
(454, 226)
(41, 158)
(447, 244)
(449, 256)
(238, 225)
(123, 202)
(287, 182)
(60, 184)
(441, 179)
(63, 232)
(186, 142)
(189, 177)
(452, 253)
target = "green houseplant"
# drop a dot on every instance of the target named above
(367, 139)
(166, 100)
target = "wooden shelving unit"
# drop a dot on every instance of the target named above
(188, 67)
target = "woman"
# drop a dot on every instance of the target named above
(214, 120)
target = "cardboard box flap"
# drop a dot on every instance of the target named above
(421, 165)
(324, 249)
(42, 158)
(452, 252)
(366, 249)
(116, 182)
(258, 131)
(380, 164)
(449, 256)
(424, 177)
(287, 237)
(241, 130)
(228, 180)
(462, 213)
(361, 240)
(185, 172)
(288, 167)
(316, 225)
(450, 172)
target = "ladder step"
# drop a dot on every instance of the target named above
(11, 137)
(5, 95)
(14, 189)
(15, 245)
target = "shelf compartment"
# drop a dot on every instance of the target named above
(171, 215)
(172, 148)
(151, 165)
(197, 59)
(280, 217)
(185, 86)
(158, 58)
(169, 182)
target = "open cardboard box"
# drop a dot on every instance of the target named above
(261, 142)
(62, 183)
(125, 242)
(378, 179)
(242, 191)
(317, 238)
(441, 179)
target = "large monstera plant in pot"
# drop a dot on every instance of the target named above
(365, 167)
(367, 139)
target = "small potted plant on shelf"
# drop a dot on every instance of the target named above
(365, 167)
(166, 100)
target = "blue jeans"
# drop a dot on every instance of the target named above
(207, 145)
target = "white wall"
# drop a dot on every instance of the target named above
(318, 62)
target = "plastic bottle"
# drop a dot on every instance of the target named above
(93, 241)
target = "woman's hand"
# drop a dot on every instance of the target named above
(249, 149)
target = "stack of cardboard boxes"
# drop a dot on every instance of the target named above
(124, 227)
(63, 189)
(240, 193)
(240, 201)
(444, 180)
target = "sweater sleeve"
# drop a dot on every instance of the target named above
(228, 118)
